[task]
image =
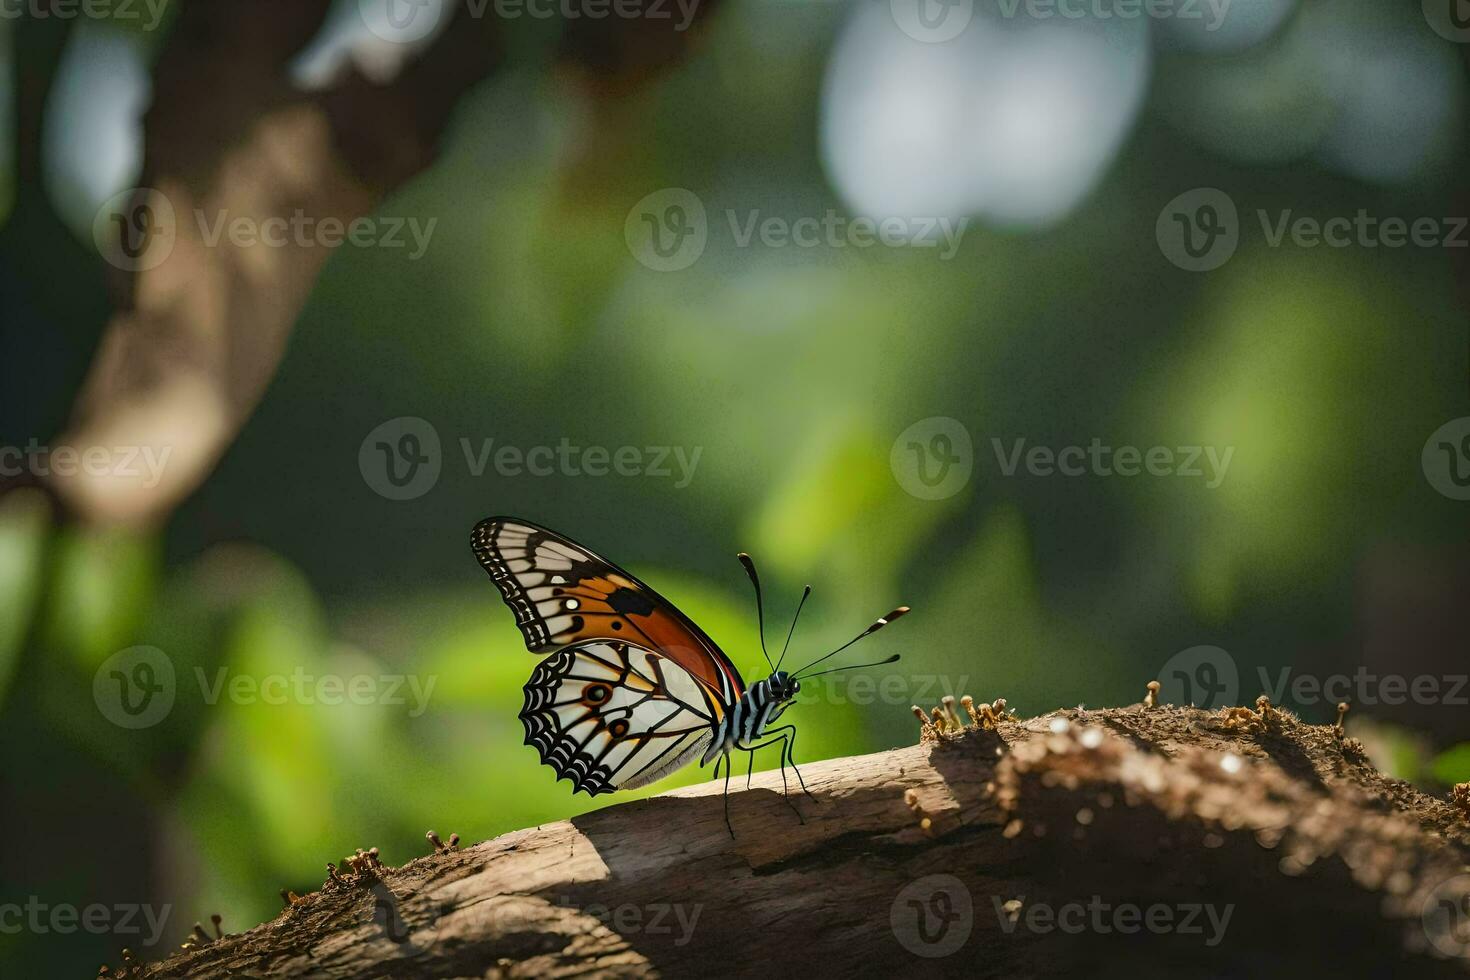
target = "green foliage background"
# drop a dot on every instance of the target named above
(793, 372)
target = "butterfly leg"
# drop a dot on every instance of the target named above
(725, 758)
(785, 792)
(788, 757)
(750, 770)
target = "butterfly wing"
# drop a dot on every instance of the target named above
(564, 595)
(613, 715)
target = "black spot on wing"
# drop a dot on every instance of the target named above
(631, 603)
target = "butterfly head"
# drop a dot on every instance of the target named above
(783, 686)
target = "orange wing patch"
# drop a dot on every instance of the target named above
(564, 595)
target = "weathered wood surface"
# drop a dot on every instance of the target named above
(1273, 848)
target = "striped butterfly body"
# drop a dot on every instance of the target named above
(631, 689)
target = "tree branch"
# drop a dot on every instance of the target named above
(198, 337)
(1313, 860)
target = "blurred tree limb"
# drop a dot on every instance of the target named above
(196, 340)
(1309, 861)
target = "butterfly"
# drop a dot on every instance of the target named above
(631, 689)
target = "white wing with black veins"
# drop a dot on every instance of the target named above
(613, 715)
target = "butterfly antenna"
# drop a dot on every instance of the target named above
(781, 659)
(760, 613)
(878, 663)
(881, 622)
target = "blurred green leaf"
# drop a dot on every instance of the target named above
(1294, 376)
(1453, 765)
(105, 581)
(25, 523)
